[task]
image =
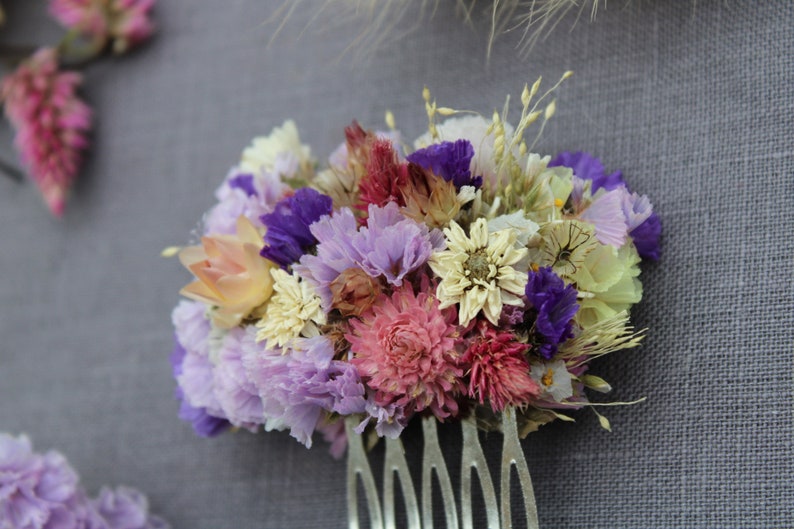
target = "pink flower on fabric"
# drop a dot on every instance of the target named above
(404, 349)
(51, 123)
(126, 22)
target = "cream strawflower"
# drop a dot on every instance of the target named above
(281, 147)
(294, 310)
(477, 272)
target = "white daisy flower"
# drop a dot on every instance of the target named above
(553, 378)
(477, 272)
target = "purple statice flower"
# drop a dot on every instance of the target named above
(244, 182)
(646, 237)
(390, 246)
(243, 194)
(390, 420)
(236, 393)
(298, 386)
(588, 167)
(555, 306)
(124, 508)
(288, 236)
(36, 490)
(643, 225)
(192, 370)
(449, 160)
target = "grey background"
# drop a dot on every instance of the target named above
(693, 101)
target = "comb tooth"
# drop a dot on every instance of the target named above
(432, 459)
(512, 454)
(358, 465)
(473, 460)
(395, 462)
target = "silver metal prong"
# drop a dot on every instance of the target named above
(512, 454)
(358, 465)
(433, 460)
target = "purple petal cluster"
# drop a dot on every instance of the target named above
(390, 246)
(449, 160)
(555, 306)
(288, 236)
(237, 395)
(244, 182)
(243, 194)
(125, 508)
(41, 491)
(644, 226)
(192, 370)
(203, 423)
(588, 167)
(297, 386)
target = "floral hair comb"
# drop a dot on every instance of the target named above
(464, 279)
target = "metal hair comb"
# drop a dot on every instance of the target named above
(382, 516)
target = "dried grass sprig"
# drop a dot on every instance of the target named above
(379, 20)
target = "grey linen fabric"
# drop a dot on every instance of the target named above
(693, 101)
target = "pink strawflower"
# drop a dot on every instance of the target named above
(499, 370)
(404, 349)
(126, 22)
(50, 122)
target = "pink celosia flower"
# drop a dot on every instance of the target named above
(126, 22)
(404, 349)
(499, 371)
(50, 122)
(385, 177)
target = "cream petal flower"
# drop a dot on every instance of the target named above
(553, 378)
(230, 274)
(266, 153)
(294, 310)
(477, 271)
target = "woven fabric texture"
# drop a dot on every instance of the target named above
(692, 100)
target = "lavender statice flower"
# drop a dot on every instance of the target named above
(34, 488)
(390, 246)
(449, 160)
(236, 393)
(288, 236)
(298, 386)
(247, 194)
(390, 420)
(41, 491)
(124, 508)
(644, 226)
(203, 423)
(192, 370)
(554, 306)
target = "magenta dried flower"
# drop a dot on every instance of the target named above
(51, 123)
